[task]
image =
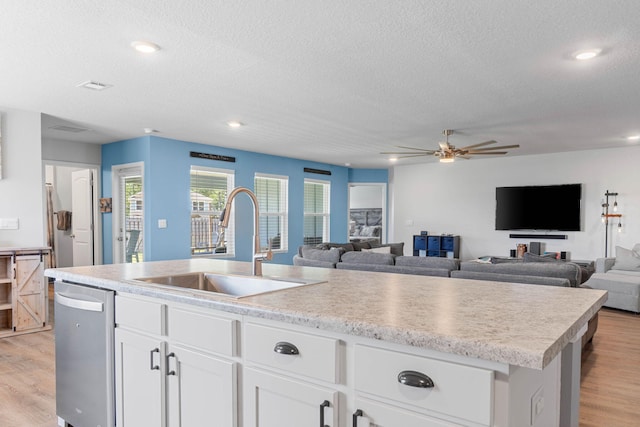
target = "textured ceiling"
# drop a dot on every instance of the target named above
(332, 81)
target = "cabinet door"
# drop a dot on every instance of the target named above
(271, 400)
(375, 414)
(29, 305)
(201, 389)
(139, 380)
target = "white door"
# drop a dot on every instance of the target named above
(82, 219)
(128, 213)
(201, 389)
(139, 380)
(272, 400)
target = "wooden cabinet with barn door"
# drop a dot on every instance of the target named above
(23, 291)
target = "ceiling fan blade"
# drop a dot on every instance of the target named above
(481, 144)
(412, 148)
(490, 153)
(444, 146)
(501, 147)
(413, 155)
(464, 157)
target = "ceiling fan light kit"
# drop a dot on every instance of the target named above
(448, 153)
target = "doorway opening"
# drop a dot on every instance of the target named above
(368, 212)
(74, 229)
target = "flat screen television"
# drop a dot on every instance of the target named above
(549, 207)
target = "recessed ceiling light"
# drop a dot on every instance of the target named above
(235, 124)
(583, 55)
(150, 130)
(393, 159)
(347, 164)
(94, 85)
(145, 47)
(633, 138)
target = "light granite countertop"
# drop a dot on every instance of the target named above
(518, 324)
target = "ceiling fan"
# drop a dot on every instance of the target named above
(448, 153)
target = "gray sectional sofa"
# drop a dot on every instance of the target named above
(354, 256)
(620, 277)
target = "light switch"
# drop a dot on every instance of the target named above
(9, 223)
(162, 223)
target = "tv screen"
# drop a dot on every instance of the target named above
(551, 207)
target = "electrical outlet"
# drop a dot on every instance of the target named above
(9, 223)
(537, 405)
(162, 223)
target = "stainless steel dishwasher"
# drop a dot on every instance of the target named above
(84, 329)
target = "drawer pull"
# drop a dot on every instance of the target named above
(415, 379)
(170, 371)
(354, 421)
(152, 365)
(286, 348)
(323, 405)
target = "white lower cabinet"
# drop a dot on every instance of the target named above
(139, 379)
(370, 413)
(162, 381)
(200, 389)
(272, 400)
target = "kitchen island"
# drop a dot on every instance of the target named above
(494, 354)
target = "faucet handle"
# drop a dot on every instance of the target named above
(269, 254)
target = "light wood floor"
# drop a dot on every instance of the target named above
(610, 389)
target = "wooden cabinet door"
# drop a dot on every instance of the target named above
(374, 414)
(139, 380)
(272, 400)
(29, 304)
(201, 389)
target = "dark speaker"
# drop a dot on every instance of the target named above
(512, 253)
(563, 255)
(424, 233)
(534, 248)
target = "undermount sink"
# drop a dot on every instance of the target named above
(229, 285)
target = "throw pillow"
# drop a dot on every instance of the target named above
(380, 250)
(626, 259)
(358, 246)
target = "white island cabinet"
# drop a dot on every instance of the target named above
(358, 349)
(174, 366)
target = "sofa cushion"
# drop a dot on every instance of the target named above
(503, 260)
(428, 262)
(626, 259)
(356, 257)
(511, 278)
(305, 262)
(565, 270)
(332, 255)
(529, 257)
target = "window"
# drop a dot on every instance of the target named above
(271, 192)
(316, 211)
(208, 194)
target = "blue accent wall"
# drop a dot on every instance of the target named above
(167, 165)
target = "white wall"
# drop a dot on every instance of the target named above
(459, 198)
(21, 186)
(71, 152)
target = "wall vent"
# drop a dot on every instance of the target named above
(64, 128)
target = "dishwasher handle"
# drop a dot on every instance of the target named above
(80, 304)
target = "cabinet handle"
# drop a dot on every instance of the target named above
(170, 355)
(286, 348)
(415, 379)
(354, 421)
(323, 405)
(152, 366)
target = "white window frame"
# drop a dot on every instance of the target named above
(283, 210)
(229, 233)
(326, 214)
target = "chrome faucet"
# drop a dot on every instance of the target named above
(258, 257)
